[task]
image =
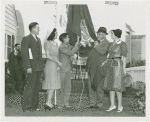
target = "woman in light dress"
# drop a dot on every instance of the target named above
(52, 68)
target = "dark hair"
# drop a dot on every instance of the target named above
(117, 33)
(31, 25)
(52, 35)
(17, 44)
(62, 36)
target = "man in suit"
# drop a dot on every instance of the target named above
(65, 53)
(33, 65)
(15, 68)
(97, 73)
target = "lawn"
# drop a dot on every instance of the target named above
(13, 108)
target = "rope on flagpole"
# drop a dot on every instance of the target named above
(56, 7)
(82, 90)
(82, 84)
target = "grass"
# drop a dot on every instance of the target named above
(13, 108)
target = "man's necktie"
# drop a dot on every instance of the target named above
(37, 39)
(38, 44)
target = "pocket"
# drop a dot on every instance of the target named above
(114, 63)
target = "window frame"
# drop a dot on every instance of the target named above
(9, 46)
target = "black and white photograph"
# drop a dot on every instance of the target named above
(74, 59)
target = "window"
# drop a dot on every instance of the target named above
(5, 46)
(9, 45)
(13, 40)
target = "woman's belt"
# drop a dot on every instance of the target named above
(114, 62)
(115, 58)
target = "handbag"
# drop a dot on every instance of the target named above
(127, 80)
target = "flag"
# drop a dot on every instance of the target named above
(80, 24)
(129, 28)
(128, 32)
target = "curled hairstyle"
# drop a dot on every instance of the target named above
(117, 33)
(62, 36)
(31, 25)
(52, 35)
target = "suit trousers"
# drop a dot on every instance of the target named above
(30, 97)
(17, 76)
(92, 94)
(99, 93)
(64, 92)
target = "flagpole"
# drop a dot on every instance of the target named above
(56, 7)
(130, 30)
(130, 48)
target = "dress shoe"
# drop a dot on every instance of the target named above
(27, 110)
(112, 108)
(67, 106)
(47, 107)
(37, 109)
(91, 107)
(98, 105)
(95, 106)
(60, 106)
(16, 92)
(120, 110)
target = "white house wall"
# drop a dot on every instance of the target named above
(10, 20)
(10, 25)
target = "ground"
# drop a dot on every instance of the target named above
(13, 108)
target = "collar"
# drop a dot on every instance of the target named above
(34, 36)
(102, 39)
(54, 42)
(118, 41)
(15, 50)
(67, 45)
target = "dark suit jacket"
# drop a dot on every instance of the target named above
(102, 49)
(65, 54)
(96, 57)
(11, 59)
(37, 63)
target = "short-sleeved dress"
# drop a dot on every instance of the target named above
(114, 67)
(52, 74)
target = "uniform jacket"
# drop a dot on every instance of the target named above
(65, 53)
(37, 63)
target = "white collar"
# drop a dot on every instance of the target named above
(102, 40)
(34, 36)
(54, 42)
(15, 50)
(118, 41)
